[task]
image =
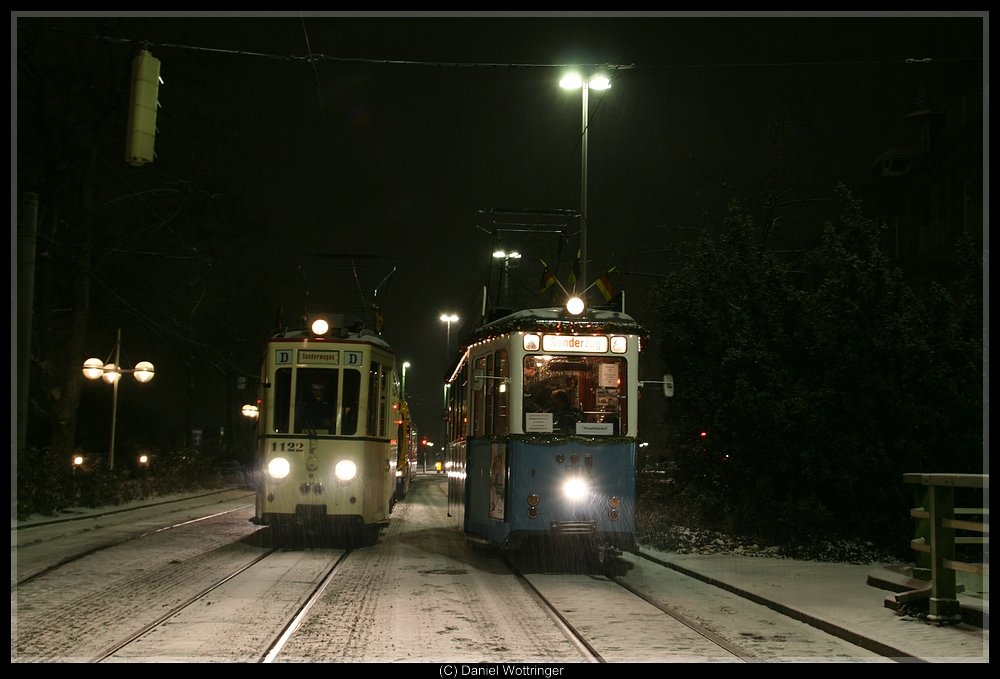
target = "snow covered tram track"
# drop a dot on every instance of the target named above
(145, 629)
(84, 535)
(239, 623)
(610, 622)
(690, 623)
(769, 630)
(574, 636)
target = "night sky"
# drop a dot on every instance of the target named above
(403, 128)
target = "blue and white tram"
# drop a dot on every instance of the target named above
(521, 468)
(326, 458)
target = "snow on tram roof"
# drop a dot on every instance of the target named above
(556, 317)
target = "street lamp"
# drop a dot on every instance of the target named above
(449, 319)
(575, 81)
(506, 257)
(406, 364)
(111, 372)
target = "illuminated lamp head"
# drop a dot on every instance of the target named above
(345, 470)
(319, 327)
(279, 468)
(575, 306)
(575, 488)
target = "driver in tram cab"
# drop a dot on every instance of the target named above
(536, 396)
(314, 410)
(565, 415)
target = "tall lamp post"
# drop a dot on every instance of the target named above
(506, 257)
(574, 81)
(111, 372)
(449, 319)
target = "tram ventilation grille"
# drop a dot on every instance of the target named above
(574, 527)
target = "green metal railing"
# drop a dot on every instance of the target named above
(935, 542)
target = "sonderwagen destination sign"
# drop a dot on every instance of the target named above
(313, 356)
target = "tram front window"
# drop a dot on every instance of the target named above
(592, 385)
(315, 407)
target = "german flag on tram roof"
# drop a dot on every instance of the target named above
(605, 285)
(548, 278)
(574, 274)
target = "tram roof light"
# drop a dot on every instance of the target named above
(575, 306)
(319, 327)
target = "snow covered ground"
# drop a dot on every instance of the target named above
(419, 595)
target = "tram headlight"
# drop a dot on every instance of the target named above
(345, 470)
(279, 468)
(575, 488)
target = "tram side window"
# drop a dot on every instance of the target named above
(490, 391)
(281, 398)
(449, 408)
(350, 402)
(463, 404)
(459, 405)
(500, 425)
(383, 402)
(479, 397)
(373, 398)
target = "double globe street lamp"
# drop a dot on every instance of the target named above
(111, 372)
(574, 81)
(449, 319)
(505, 274)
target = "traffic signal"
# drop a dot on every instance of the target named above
(142, 109)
